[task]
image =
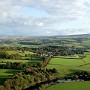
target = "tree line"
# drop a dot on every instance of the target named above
(30, 77)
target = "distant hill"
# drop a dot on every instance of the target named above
(72, 36)
(56, 36)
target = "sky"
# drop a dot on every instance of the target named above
(44, 17)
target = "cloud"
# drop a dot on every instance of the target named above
(62, 14)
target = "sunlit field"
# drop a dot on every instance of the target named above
(64, 64)
(70, 86)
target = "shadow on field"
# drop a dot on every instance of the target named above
(84, 65)
(12, 71)
(3, 79)
(67, 58)
(8, 75)
(58, 64)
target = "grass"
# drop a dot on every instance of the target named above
(23, 59)
(32, 62)
(20, 52)
(6, 74)
(86, 43)
(11, 60)
(71, 86)
(65, 65)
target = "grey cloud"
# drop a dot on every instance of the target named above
(61, 11)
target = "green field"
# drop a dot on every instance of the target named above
(23, 61)
(20, 52)
(31, 62)
(65, 64)
(86, 43)
(6, 74)
(25, 57)
(71, 86)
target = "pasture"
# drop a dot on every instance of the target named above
(71, 86)
(25, 57)
(86, 43)
(65, 64)
(23, 61)
(20, 52)
(6, 74)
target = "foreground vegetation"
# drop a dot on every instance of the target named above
(29, 77)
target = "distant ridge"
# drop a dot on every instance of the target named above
(55, 36)
(71, 36)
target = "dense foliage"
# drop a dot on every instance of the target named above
(81, 75)
(30, 77)
(15, 65)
